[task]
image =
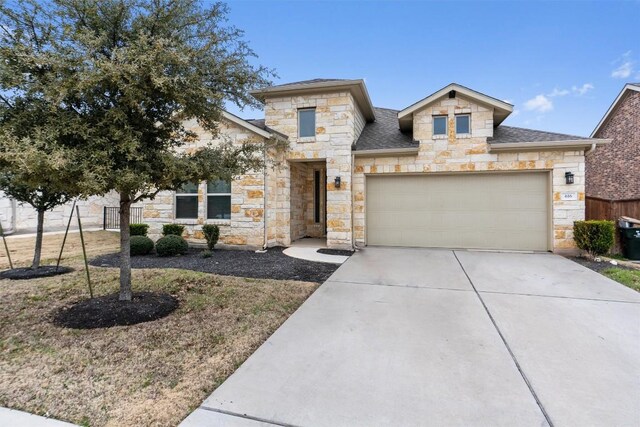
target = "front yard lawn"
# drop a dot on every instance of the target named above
(152, 373)
(629, 278)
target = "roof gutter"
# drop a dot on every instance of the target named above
(411, 151)
(579, 144)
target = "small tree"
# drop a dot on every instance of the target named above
(595, 237)
(132, 72)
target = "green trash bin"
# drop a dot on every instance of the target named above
(630, 242)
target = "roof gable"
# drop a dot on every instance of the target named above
(357, 88)
(629, 87)
(501, 109)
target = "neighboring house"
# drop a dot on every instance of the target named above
(613, 171)
(21, 217)
(443, 172)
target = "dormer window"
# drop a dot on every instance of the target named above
(463, 124)
(307, 122)
(440, 125)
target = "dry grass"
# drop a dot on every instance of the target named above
(21, 248)
(153, 373)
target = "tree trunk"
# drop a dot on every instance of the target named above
(125, 251)
(38, 251)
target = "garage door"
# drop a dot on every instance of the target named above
(486, 211)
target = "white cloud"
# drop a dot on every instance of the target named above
(515, 112)
(582, 89)
(625, 68)
(558, 92)
(539, 103)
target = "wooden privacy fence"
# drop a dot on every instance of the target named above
(611, 209)
(111, 217)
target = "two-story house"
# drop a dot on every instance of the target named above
(443, 172)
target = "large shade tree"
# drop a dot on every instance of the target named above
(134, 71)
(38, 139)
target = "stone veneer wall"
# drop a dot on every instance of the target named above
(335, 133)
(613, 170)
(469, 153)
(91, 212)
(246, 226)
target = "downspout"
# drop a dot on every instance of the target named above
(593, 147)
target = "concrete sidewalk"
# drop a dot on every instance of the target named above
(437, 337)
(13, 418)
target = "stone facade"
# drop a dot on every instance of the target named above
(613, 170)
(22, 217)
(469, 154)
(338, 125)
(246, 226)
(281, 209)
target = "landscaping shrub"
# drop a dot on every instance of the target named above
(140, 245)
(595, 237)
(171, 245)
(172, 229)
(206, 254)
(138, 229)
(211, 233)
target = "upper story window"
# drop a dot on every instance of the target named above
(307, 122)
(440, 125)
(218, 200)
(463, 124)
(187, 201)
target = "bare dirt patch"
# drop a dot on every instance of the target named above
(152, 373)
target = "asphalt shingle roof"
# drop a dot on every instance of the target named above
(384, 132)
(509, 134)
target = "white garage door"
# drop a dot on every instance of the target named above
(476, 210)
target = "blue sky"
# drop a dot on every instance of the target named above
(560, 63)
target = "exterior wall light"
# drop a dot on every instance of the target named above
(337, 182)
(568, 176)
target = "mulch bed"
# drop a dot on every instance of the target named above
(272, 264)
(340, 252)
(107, 311)
(597, 266)
(27, 273)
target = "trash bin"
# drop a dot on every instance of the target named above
(630, 242)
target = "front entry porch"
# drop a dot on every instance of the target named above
(308, 200)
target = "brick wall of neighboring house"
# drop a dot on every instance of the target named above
(613, 170)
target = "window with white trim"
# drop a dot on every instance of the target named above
(439, 125)
(218, 200)
(306, 122)
(187, 201)
(463, 124)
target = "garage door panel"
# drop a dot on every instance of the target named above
(493, 211)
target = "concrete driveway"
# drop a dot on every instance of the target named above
(404, 337)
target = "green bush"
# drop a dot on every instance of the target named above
(138, 229)
(595, 237)
(171, 245)
(172, 229)
(206, 254)
(211, 233)
(140, 245)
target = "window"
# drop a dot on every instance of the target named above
(462, 124)
(317, 182)
(187, 201)
(440, 125)
(218, 200)
(307, 122)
